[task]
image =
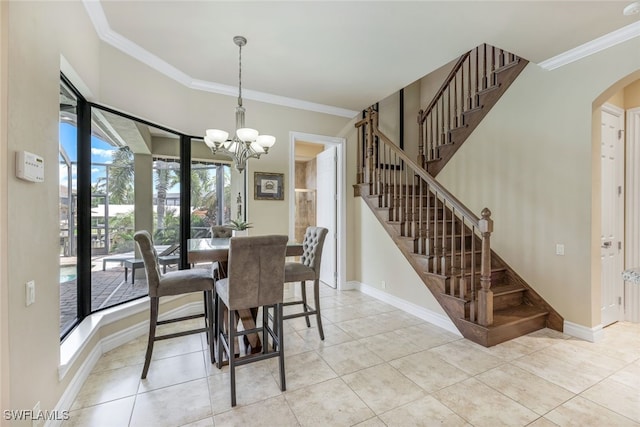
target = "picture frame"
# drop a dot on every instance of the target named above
(268, 186)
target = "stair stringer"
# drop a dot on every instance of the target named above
(457, 308)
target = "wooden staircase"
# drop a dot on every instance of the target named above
(474, 85)
(447, 245)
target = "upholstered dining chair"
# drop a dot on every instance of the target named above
(174, 283)
(307, 269)
(255, 277)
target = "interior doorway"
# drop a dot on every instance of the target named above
(317, 197)
(612, 213)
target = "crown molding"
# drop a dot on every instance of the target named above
(107, 35)
(604, 42)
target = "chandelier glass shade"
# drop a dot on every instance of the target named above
(245, 143)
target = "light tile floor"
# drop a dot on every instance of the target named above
(377, 366)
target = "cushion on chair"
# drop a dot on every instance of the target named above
(296, 272)
(312, 246)
(184, 281)
(309, 266)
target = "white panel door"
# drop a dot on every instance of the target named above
(612, 229)
(326, 209)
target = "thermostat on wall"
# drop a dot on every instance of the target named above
(29, 166)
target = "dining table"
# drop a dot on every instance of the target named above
(216, 250)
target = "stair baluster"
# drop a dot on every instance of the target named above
(442, 123)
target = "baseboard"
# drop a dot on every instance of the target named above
(425, 314)
(583, 332)
(109, 343)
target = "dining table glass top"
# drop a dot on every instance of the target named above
(213, 249)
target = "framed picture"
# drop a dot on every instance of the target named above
(269, 186)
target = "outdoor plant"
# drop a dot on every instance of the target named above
(239, 224)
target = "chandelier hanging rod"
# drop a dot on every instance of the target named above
(246, 143)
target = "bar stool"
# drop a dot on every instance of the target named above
(308, 269)
(173, 283)
(256, 274)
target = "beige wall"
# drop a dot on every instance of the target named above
(381, 264)
(632, 95)
(38, 34)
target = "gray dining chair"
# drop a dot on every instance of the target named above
(255, 277)
(307, 269)
(174, 283)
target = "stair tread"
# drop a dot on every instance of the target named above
(507, 289)
(518, 313)
(493, 270)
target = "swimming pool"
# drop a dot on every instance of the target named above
(67, 273)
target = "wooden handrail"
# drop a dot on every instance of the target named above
(439, 226)
(444, 86)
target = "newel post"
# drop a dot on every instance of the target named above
(485, 297)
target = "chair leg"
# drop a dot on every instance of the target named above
(219, 332)
(265, 335)
(316, 297)
(232, 355)
(303, 291)
(210, 324)
(153, 321)
(277, 312)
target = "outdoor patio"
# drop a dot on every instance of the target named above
(108, 288)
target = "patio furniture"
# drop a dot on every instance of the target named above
(174, 283)
(256, 274)
(132, 263)
(120, 258)
(308, 269)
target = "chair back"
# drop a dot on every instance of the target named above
(221, 231)
(150, 259)
(256, 270)
(312, 247)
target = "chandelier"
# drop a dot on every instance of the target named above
(246, 143)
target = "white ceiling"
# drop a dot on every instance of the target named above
(336, 53)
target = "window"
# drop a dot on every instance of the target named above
(68, 191)
(210, 196)
(119, 174)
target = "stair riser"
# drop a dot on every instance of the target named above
(500, 302)
(512, 299)
(497, 278)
